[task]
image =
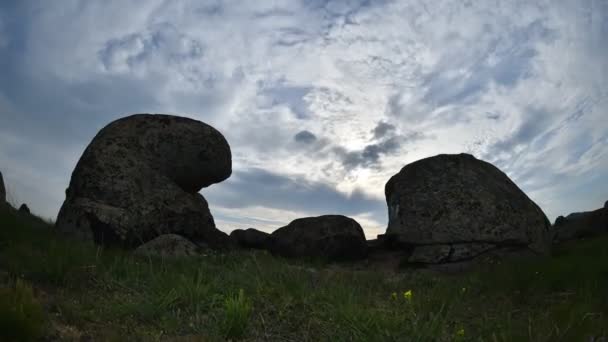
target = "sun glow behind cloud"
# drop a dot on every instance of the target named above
(374, 86)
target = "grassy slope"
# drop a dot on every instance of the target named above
(110, 295)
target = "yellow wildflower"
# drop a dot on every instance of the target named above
(460, 332)
(407, 295)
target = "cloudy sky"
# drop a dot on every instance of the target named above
(321, 101)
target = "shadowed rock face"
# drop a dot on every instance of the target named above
(450, 208)
(251, 238)
(580, 225)
(333, 237)
(2, 190)
(139, 178)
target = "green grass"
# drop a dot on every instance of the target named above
(112, 295)
(21, 315)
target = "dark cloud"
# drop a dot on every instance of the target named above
(261, 188)
(382, 129)
(370, 155)
(493, 116)
(305, 137)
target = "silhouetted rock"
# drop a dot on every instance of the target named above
(450, 208)
(2, 190)
(579, 225)
(168, 245)
(333, 237)
(139, 178)
(251, 238)
(375, 245)
(24, 209)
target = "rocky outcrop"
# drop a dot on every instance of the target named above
(251, 238)
(24, 209)
(2, 190)
(332, 237)
(451, 208)
(580, 225)
(168, 245)
(139, 178)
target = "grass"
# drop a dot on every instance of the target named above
(21, 315)
(80, 291)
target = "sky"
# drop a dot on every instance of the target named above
(321, 101)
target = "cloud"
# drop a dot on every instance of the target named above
(369, 156)
(387, 141)
(305, 137)
(258, 187)
(382, 129)
(338, 95)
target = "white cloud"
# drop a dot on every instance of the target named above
(520, 83)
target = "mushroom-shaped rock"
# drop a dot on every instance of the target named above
(251, 238)
(579, 225)
(451, 208)
(139, 178)
(168, 245)
(333, 237)
(2, 190)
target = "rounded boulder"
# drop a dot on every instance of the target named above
(251, 238)
(450, 208)
(333, 237)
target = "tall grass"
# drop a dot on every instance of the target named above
(21, 315)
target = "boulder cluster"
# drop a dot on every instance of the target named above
(137, 186)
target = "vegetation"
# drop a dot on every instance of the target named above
(80, 290)
(21, 316)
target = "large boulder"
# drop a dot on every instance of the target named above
(168, 245)
(2, 190)
(139, 178)
(332, 237)
(452, 208)
(580, 225)
(251, 238)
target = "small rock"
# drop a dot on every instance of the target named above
(334, 237)
(251, 238)
(168, 245)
